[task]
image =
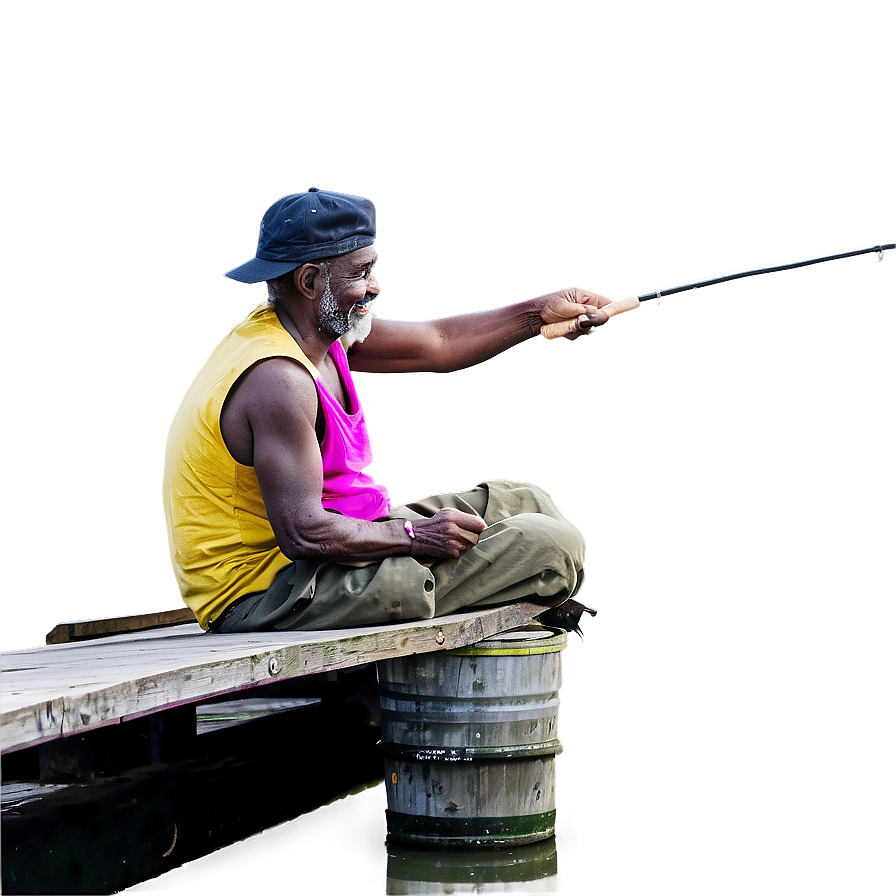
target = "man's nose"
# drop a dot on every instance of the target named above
(373, 285)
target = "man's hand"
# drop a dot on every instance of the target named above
(447, 534)
(577, 306)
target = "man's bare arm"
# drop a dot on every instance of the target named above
(454, 343)
(278, 402)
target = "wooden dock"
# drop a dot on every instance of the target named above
(126, 755)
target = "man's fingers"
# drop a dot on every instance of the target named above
(593, 318)
(586, 297)
(578, 326)
(448, 533)
(573, 312)
(467, 521)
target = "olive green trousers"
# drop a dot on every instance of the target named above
(528, 550)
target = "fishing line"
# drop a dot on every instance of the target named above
(565, 327)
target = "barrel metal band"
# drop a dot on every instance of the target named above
(410, 752)
(453, 831)
(472, 703)
(502, 651)
(398, 708)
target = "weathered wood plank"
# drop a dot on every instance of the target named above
(66, 632)
(63, 689)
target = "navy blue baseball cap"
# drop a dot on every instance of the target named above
(307, 226)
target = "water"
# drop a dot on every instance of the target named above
(340, 849)
(337, 849)
(727, 753)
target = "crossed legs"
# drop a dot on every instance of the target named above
(528, 550)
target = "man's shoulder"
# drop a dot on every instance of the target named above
(277, 377)
(276, 395)
(258, 340)
(261, 325)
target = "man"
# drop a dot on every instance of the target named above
(273, 522)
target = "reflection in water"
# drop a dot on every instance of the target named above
(340, 849)
(522, 869)
(335, 849)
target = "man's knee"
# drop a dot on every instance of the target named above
(547, 537)
(548, 554)
(509, 498)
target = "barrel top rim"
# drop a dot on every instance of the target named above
(520, 636)
(524, 640)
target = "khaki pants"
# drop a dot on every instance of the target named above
(528, 551)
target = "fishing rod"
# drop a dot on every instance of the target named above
(565, 327)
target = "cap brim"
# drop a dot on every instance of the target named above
(257, 269)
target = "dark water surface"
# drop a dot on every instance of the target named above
(337, 849)
(341, 849)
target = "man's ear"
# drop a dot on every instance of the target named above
(305, 278)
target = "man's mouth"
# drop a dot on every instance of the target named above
(363, 307)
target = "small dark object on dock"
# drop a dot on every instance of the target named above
(566, 616)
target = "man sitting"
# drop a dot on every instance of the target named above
(273, 522)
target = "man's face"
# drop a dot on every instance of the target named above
(349, 288)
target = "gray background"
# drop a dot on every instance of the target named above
(728, 454)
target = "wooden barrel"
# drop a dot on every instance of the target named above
(469, 738)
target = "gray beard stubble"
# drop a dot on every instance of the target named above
(354, 326)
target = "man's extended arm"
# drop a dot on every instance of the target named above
(454, 343)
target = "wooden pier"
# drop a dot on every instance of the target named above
(129, 754)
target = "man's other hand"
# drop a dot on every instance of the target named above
(447, 534)
(577, 305)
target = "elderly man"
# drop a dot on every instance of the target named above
(273, 522)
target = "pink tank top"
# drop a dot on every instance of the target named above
(345, 451)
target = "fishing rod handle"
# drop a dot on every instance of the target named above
(565, 327)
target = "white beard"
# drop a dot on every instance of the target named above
(360, 328)
(352, 327)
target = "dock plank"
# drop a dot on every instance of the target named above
(62, 689)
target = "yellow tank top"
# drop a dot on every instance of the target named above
(221, 543)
